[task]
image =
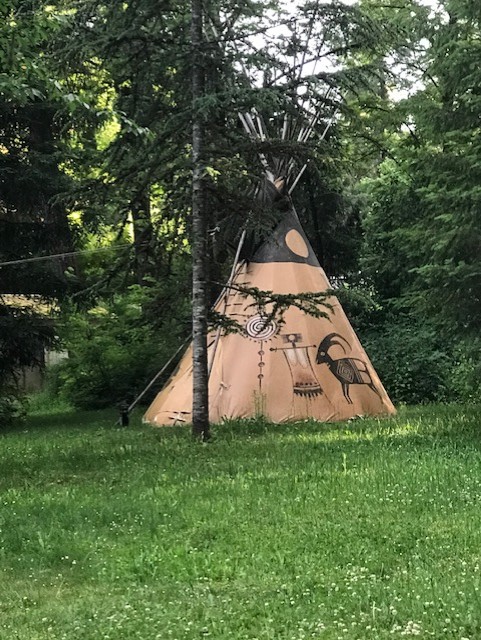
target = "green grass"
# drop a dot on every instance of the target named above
(368, 529)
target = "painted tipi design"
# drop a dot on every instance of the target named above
(290, 368)
(297, 368)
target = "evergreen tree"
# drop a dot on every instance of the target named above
(33, 218)
(424, 221)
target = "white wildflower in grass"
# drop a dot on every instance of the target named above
(411, 629)
(167, 541)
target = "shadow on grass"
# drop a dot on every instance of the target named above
(68, 420)
(423, 424)
(97, 449)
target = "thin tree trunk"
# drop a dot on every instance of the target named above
(142, 226)
(200, 401)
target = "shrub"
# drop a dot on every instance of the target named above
(12, 409)
(413, 362)
(466, 371)
(46, 402)
(113, 351)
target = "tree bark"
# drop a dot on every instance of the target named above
(143, 232)
(200, 400)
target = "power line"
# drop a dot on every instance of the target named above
(67, 254)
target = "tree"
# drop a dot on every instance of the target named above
(200, 399)
(114, 96)
(423, 224)
(33, 218)
(143, 65)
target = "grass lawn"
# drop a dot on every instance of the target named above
(370, 529)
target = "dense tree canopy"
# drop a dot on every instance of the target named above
(424, 222)
(95, 156)
(33, 219)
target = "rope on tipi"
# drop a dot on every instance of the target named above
(157, 376)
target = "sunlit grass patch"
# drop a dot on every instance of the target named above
(365, 529)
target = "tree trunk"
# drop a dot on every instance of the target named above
(200, 401)
(142, 226)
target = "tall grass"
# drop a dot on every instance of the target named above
(367, 529)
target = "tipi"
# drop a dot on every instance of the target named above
(286, 369)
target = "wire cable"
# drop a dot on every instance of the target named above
(67, 254)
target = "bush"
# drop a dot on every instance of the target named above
(113, 352)
(12, 409)
(413, 362)
(466, 371)
(46, 402)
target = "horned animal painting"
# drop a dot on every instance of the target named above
(347, 370)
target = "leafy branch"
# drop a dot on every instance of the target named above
(273, 306)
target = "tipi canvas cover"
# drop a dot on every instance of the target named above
(286, 369)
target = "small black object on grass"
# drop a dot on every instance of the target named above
(124, 414)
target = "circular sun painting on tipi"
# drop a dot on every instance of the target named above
(296, 243)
